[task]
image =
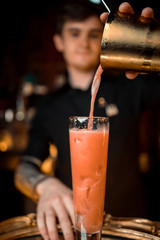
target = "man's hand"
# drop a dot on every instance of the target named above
(56, 201)
(127, 8)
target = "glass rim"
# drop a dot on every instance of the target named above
(87, 117)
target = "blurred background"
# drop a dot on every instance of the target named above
(28, 66)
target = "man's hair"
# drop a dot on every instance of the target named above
(77, 10)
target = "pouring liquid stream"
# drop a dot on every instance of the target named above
(95, 85)
(94, 90)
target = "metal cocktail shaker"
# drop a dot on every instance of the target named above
(130, 43)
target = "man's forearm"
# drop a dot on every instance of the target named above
(28, 175)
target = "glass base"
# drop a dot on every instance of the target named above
(87, 236)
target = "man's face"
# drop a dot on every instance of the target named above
(80, 43)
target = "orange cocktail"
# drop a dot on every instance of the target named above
(89, 150)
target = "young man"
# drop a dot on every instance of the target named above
(78, 38)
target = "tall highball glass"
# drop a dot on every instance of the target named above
(89, 150)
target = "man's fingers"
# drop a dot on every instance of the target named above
(131, 75)
(51, 224)
(126, 8)
(104, 17)
(68, 202)
(41, 225)
(147, 12)
(64, 220)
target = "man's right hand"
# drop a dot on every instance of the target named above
(125, 7)
(55, 202)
